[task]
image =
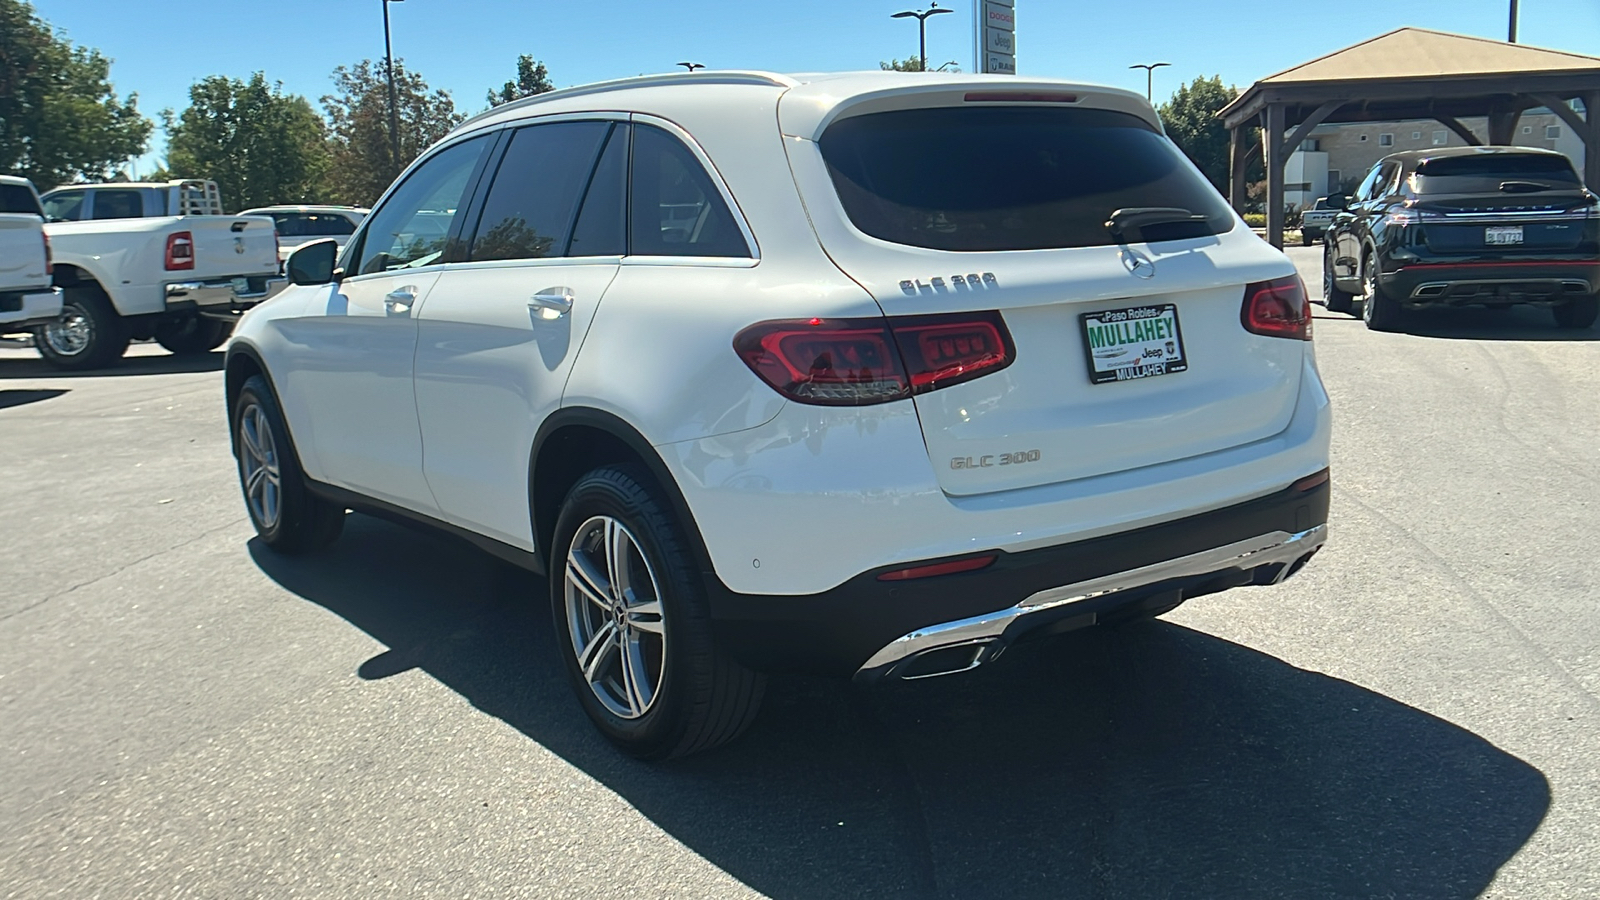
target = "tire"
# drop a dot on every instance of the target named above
(1333, 298)
(89, 334)
(1579, 313)
(700, 698)
(1306, 238)
(286, 515)
(192, 335)
(1378, 310)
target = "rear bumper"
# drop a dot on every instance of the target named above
(1541, 282)
(226, 298)
(22, 310)
(933, 626)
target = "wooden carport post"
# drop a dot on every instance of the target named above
(1586, 127)
(1272, 138)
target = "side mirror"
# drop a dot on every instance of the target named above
(313, 263)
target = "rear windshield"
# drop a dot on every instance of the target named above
(1469, 174)
(312, 224)
(1011, 178)
(16, 198)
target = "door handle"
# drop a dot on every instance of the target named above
(552, 303)
(399, 300)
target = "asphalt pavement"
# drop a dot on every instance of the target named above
(1417, 714)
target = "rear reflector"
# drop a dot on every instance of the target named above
(180, 251)
(855, 362)
(943, 568)
(49, 258)
(1311, 481)
(1277, 308)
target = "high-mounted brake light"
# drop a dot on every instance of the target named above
(49, 257)
(1277, 308)
(180, 251)
(855, 362)
(1018, 97)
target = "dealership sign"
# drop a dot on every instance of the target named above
(996, 36)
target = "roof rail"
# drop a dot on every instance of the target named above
(766, 79)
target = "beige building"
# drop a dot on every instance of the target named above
(1337, 157)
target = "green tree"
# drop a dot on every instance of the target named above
(358, 127)
(532, 78)
(260, 145)
(1191, 121)
(60, 119)
(909, 64)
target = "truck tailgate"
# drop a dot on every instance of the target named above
(22, 259)
(231, 246)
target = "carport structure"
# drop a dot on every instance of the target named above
(1409, 74)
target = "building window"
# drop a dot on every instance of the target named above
(1385, 140)
(1527, 129)
(1416, 135)
(1440, 138)
(1551, 132)
(1363, 137)
(1335, 179)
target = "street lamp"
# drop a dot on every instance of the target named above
(1149, 74)
(922, 29)
(1513, 30)
(394, 115)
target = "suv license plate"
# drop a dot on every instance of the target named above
(1502, 234)
(1137, 342)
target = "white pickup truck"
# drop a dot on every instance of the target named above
(180, 279)
(27, 298)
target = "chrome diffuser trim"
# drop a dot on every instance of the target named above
(1278, 547)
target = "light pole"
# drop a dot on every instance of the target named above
(1149, 75)
(922, 29)
(1513, 37)
(394, 114)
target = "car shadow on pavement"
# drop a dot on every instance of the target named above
(1519, 323)
(16, 366)
(10, 398)
(1155, 761)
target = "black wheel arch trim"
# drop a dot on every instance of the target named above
(241, 348)
(617, 427)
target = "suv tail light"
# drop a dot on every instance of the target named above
(180, 251)
(855, 362)
(49, 257)
(1277, 308)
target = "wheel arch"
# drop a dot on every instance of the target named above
(575, 440)
(244, 361)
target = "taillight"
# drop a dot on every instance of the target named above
(180, 251)
(1277, 308)
(854, 362)
(49, 258)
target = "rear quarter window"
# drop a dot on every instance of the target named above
(1011, 178)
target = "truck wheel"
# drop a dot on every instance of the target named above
(192, 335)
(287, 516)
(1379, 311)
(1305, 238)
(89, 334)
(1579, 313)
(634, 626)
(1333, 298)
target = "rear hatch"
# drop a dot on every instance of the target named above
(1506, 203)
(941, 200)
(231, 246)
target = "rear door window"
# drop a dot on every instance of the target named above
(675, 208)
(117, 205)
(312, 225)
(969, 178)
(18, 198)
(602, 226)
(530, 206)
(1489, 172)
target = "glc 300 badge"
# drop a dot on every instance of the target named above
(986, 462)
(972, 281)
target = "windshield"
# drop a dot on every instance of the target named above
(1012, 178)
(1474, 174)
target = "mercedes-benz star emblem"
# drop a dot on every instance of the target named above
(1138, 264)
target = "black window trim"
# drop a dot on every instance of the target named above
(353, 247)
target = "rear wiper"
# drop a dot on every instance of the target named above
(1523, 187)
(1137, 217)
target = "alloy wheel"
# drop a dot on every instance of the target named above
(1369, 287)
(263, 479)
(614, 617)
(70, 334)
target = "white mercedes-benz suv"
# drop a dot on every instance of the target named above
(866, 374)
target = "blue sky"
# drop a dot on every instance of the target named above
(465, 46)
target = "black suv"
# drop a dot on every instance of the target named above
(1486, 226)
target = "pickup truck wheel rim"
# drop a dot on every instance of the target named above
(263, 479)
(614, 617)
(70, 334)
